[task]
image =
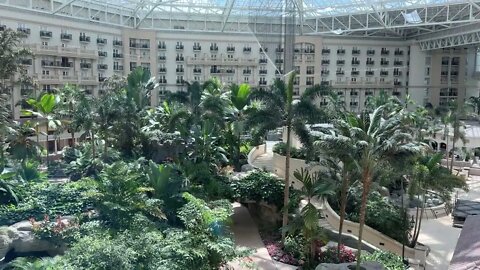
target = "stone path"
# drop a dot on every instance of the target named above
(441, 236)
(247, 235)
(265, 161)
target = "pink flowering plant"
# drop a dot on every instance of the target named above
(57, 231)
(330, 255)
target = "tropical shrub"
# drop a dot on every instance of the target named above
(330, 255)
(281, 149)
(262, 187)
(295, 245)
(382, 215)
(56, 231)
(39, 199)
(389, 260)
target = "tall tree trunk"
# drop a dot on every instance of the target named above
(105, 149)
(343, 206)
(286, 192)
(363, 209)
(92, 137)
(73, 138)
(453, 154)
(417, 233)
(47, 159)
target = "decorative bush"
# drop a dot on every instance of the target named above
(262, 186)
(55, 231)
(277, 253)
(389, 260)
(39, 199)
(331, 256)
(281, 149)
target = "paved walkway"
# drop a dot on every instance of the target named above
(265, 161)
(441, 236)
(247, 235)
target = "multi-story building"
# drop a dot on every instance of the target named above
(86, 52)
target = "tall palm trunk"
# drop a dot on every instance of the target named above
(73, 138)
(286, 192)
(453, 154)
(367, 181)
(93, 144)
(419, 221)
(47, 143)
(343, 206)
(105, 149)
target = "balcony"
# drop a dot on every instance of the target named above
(197, 70)
(66, 37)
(162, 46)
(326, 83)
(398, 63)
(56, 64)
(102, 66)
(397, 74)
(262, 82)
(340, 62)
(179, 70)
(325, 72)
(261, 49)
(397, 83)
(179, 47)
(262, 72)
(214, 48)
(247, 49)
(162, 81)
(262, 61)
(355, 52)
(180, 82)
(370, 63)
(353, 103)
(46, 34)
(179, 59)
(118, 43)
(310, 72)
(370, 52)
(368, 93)
(102, 54)
(247, 71)
(101, 41)
(340, 72)
(369, 73)
(355, 73)
(102, 78)
(117, 55)
(230, 49)
(26, 62)
(383, 73)
(384, 63)
(230, 71)
(197, 48)
(23, 31)
(455, 62)
(385, 52)
(84, 39)
(278, 61)
(309, 51)
(325, 62)
(445, 63)
(309, 83)
(214, 71)
(341, 51)
(118, 68)
(325, 51)
(85, 65)
(355, 62)
(454, 73)
(162, 70)
(398, 53)
(279, 50)
(162, 58)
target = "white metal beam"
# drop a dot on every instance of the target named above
(63, 6)
(226, 13)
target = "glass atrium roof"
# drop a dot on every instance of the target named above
(311, 8)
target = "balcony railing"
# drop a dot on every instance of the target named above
(262, 71)
(263, 61)
(355, 73)
(102, 54)
(102, 66)
(118, 43)
(24, 31)
(355, 62)
(118, 68)
(262, 82)
(214, 48)
(384, 63)
(179, 70)
(247, 49)
(383, 73)
(59, 64)
(84, 39)
(369, 73)
(325, 62)
(85, 65)
(340, 62)
(117, 55)
(355, 52)
(162, 46)
(179, 59)
(179, 47)
(101, 41)
(65, 36)
(385, 52)
(162, 58)
(230, 49)
(310, 51)
(370, 63)
(398, 63)
(398, 53)
(325, 72)
(197, 48)
(279, 50)
(325, 51)
(341, 51)
(27, 62)
(162, 70)
(197, 70)
(46, 34)
(370, 52)
(340, 72)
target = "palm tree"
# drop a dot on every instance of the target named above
(44, 110)
(314, 187)
(239, 98)
(474, 102)
(374, 139)
(278, 109)
(69, 100)
(429, 175)
(456, 116)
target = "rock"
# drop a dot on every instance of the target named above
(384, 191)
(344, 266)
(22, 226)
(247, 168)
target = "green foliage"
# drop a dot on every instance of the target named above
(281, 149)
(381, 215)
(38, 199)
(295, 245)
(389, 260)
(259, 186)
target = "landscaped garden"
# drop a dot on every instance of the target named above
(151, 187)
